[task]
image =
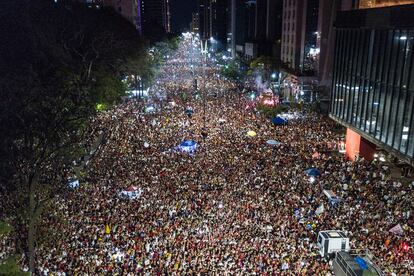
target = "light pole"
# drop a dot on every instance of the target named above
(204, 60)
(212, 42)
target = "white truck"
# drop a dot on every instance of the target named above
(332, 241)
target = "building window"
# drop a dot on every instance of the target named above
(373, 84)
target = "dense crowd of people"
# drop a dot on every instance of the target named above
(237, 205)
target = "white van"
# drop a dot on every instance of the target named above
(331, 241)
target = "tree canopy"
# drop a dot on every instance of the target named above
(58, 62)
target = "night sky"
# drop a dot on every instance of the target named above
(181, 11)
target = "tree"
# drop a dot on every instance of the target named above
(11, 267)
(271, 111)
(265, 66)
(62, 60)
(232, 71)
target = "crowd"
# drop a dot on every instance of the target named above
(236, 206)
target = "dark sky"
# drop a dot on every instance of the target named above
(181, 11)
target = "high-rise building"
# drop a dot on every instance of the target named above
(261, 18)
(213, 21)
(156, 14)
(167, 16)
(195, 24)
(307, 43)
(206, 18)
(310, 48)
(299, 34)
(250, 19)
(268, 27)
(146, 15)
(255, 27)
(373, 80)
(274, 17)
(130, 10)
(324, 39)
(293, 32)
(328, 10)
(219, 23)
(240, 26)
(203, 15)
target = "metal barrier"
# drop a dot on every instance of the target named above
(344, 263)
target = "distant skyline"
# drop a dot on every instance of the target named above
(181, 11)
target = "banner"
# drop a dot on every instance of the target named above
(397, 230)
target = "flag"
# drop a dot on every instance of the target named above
(107, 229)
(397, 230)
(320, 209)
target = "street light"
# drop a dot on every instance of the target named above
(213, 43)
(204, 61)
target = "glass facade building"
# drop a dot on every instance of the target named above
(373, 77)
(369, 4)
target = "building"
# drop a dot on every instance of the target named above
(292, 33)
(325, 39)
(299, 34)
(156, 14)
(274, 23)
(220, 13)
(255, 28)
(241, 25)
(310, 48)
(293, 47)
(205, 18)
(268, 27)
(373, 80)
(195, 24)
(249, 20)
(325, 35)
(130, 10)
(213, 15)
(146, 15)
(347, 5)
(260, 20)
